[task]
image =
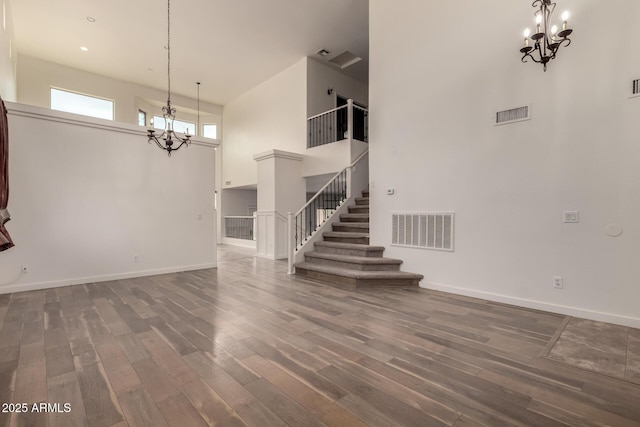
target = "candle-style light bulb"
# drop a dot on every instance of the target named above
(538, 22)
(554, 30)
(565, 18)
(527, 33)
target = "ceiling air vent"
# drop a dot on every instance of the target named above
(427, 230)
(513, 115)
(636, 87)
(345, 59)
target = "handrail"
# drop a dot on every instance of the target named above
(304, 224)
(327, 112)
(315, 196)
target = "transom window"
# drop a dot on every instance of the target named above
(178, 125)
(210, 131)
(87, 105)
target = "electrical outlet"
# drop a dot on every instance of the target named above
(558, 282)
(24, 268)
(135, 258)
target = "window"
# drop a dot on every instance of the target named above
(210, 131)
(142, 118)
(178, 125)
(77, 103)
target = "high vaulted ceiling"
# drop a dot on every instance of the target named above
(230, 46)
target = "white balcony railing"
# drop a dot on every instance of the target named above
(349, 121)
(240, 227)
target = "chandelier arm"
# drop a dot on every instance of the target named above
(567, 40)
(155, 139)
(533, 58)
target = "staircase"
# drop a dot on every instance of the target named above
(346, 258)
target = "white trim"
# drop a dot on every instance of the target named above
(279, 154)
(633, 322)
(239, 242)
(94, 279)
(39, 113)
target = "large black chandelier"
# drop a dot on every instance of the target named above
(168, 137)
(547, 40)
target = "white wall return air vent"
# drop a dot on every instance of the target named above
(427, 230)
(513, 115)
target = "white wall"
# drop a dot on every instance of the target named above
(36, 77)
(8, 57)
(87, 195)
(238, 202)
(320, 78)
(439, 72)
(270, 116)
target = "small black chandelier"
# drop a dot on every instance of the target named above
(547, 40)
(168, 137)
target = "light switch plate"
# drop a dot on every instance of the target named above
(571, 217)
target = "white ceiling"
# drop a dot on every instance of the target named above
(230, 46)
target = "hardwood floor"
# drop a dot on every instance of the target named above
(246, 344)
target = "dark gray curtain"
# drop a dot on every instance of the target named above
(5, 239)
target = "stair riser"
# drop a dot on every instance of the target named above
(345, 218)
(365, 194)
(354, 266)
(364, 240)
(362, 202)
(358, 283)
(349, 252)
(347, 229)
(359, 209)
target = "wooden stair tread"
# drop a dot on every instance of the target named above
(357, 246)
(346, 234)
(352, 259)
(359, 274)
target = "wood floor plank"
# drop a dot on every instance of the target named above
(64, 388)
(248, 344)
(291, 413)
(118, 368)
(100, 403)
(155, 380)
(139, 410)
(132, 347)
(318, 405)
(177, 410)
(212, 408)
(403, 413)
(170, 360)
(8, 371)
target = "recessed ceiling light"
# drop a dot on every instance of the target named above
(322, 52)
(91, 19)
(84, 49)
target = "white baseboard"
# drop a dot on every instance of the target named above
(239, 242)
(95, 279)
(632, 322)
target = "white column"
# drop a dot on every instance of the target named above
(281, 189)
